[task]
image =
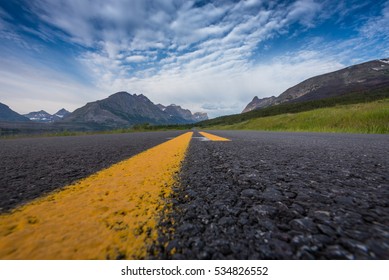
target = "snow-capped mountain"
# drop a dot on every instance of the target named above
(44, 117)
(61, 113)
(178, 111)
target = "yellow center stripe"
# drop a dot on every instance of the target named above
(111, 214)
(213, 137)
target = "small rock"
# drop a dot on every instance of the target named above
(357, 234)
(226, 221)
(282, 207)
(197, 243)
(305, 253)
(267, 224)
(272, 194)
(322, 215)
(185, 227)
(250, 193)
(345, 200)
(305, 224)
(300, 240)
(354, 245)
(322, 240)
(380, 248)
(264, 210)
(337, 252)
(222, 246)
(290, 195)
(326, 229)
(204, 255)
(298, 209)
(243, 220)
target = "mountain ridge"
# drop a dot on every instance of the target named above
(7, 114)
(44, 117)
(123, 109)
(359, 77)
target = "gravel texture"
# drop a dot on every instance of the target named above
(31, 167)
(280, 196)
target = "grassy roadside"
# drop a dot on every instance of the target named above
(135, 128)
(372, 117)
(297, 107)
(362, 112)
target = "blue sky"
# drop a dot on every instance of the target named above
(210, 56)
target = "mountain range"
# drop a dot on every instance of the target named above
(357, 78)
(123, 109)
(44, 117)
(176, 110)
(118, 110)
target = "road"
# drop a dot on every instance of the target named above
(283, 196)
(261, 195)
(31, 167)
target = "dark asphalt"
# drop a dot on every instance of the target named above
(261, 196)
(281, 196)
(31, 167)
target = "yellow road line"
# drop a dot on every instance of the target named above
(213, 137)
(111, 214)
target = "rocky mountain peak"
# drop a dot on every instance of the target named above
(6, 114)
(200, 116)
(257, 103)
(124, 109)
(356, 78)
(178, 111)
(62, 113)
(44, 117)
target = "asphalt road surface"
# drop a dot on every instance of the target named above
(282, 196)
(260, 196)
(31, 167)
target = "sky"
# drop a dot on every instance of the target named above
(208, 56)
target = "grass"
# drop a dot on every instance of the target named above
(136, 128)
(347, 99)
(372, 117)
(358, 112)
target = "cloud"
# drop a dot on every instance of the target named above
(136, 58)
(377, 26)
(304, 11)
(26, 87)
(195, 53)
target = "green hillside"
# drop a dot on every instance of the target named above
(287, 108)
(371, 117)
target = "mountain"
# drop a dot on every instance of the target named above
(40, 116)
(120, 110)
(44, 117)
(357, 78)
(177, 111)
(161, 107)
(61, 113)
(257, 103)
(6, 114)
(199, 116)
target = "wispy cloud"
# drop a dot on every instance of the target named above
(198, 53)
(24, 84)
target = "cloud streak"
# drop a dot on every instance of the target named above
(196, 53)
